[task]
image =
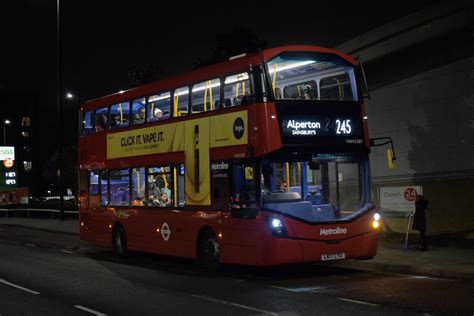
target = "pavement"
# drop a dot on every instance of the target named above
(392, 257)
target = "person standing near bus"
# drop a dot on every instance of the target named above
(419, 221)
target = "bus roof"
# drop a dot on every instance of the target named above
(212, 71)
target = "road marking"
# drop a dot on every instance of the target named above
(234, 304)
(18, 287)
(89, 310)
(30, 245)
(67, 251)
(356, 301)
(300, 289)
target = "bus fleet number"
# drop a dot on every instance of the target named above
(343, 127)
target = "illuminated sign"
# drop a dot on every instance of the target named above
(320, 126)
(7, 167)
(7, 153)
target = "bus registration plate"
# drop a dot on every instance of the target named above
(333, 256)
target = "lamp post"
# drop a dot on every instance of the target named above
(76, 96)
(59, 96)
(5, 123)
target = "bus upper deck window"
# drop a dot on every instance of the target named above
(312, 76)
(101, 120)
(119, 114)
(139, 111)
(181, 101)
(206, 96)
(336, 87)
(87, 127)
(237, 89)
(159, 107)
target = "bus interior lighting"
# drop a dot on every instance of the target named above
(293, 65)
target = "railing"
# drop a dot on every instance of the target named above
(7, 211)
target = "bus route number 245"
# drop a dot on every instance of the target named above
(343, 127)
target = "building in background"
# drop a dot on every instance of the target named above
(22, 133)
(420, 69)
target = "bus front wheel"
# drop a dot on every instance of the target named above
(120, 241)
(208, 251)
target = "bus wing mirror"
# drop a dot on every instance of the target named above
(390, 159)
(381, 141)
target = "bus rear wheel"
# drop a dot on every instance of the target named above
(208, 254)
(119, 238)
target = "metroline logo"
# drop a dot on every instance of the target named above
(332, 231)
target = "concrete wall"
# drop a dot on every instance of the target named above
(421, 70)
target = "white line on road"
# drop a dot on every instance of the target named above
(89, 310)
(30, 245)
(356, 301)
(18, 287)
(234, 304)
(67, 251)
(300, 289)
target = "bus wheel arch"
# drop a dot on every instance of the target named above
(119, 240)
(208, 249)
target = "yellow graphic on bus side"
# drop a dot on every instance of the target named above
(194, 137)
(229, 129)
(146, 141)
(197, 163)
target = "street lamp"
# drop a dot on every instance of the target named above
(5, 123)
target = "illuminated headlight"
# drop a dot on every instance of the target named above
(375, 222)
(277, 227)
(276, 223)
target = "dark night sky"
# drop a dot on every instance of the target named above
(102, 39)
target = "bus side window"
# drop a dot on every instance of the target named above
(205, 95)
(159, 107)
(119, 187)
(87, 127)
(181, 101)
(119, 114)
(138, 186)
(94, 189)
(238, 89)
(180, 185)
(104, 188)
(160, 186)
(139, 111)
(101, 120)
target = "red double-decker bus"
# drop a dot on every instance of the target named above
(259, 160)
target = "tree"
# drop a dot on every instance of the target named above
(237, 41)
(139, 75)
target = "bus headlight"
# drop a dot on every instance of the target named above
(375, 222)
(276, 223)
(277, 227)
